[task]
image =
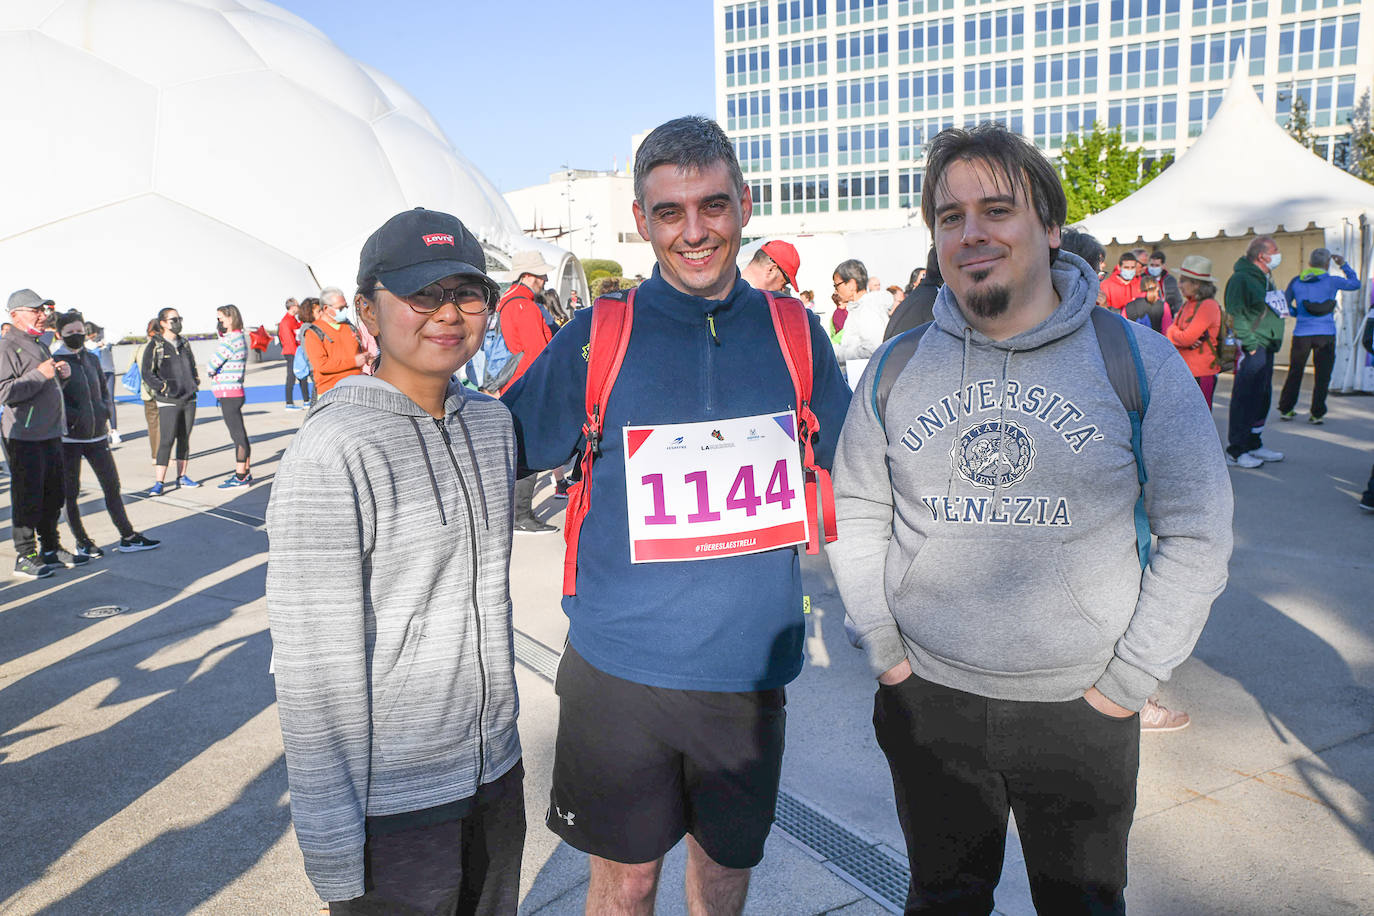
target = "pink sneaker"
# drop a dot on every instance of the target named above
(1156, 718)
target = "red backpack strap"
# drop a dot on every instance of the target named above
(611, 322)
(793, 327)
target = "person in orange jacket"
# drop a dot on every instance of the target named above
(1122, 285)
(331, 344)
(523, 323)
(1197, 327)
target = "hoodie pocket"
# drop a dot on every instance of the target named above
(998, 605)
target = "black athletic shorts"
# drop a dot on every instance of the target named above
(636, 768)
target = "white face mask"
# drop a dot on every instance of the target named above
(1274, 260)
(1127, 273)
(1155, 271)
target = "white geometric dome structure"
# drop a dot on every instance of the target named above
(197, 152)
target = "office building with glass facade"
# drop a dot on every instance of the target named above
(831, 102)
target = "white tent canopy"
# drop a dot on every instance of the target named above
(1246, 175)
(197, 152)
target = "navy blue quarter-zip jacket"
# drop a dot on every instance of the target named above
(721, 624)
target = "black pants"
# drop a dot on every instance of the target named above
(524, 497)
(102, 462)
(36, 493)
(232, 409)
(174, 422)
(291, 381)
(467, 865)
(959, 762)
(1251, 395)
(1323, 350)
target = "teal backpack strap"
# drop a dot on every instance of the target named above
(1126, 371)
(891, 364)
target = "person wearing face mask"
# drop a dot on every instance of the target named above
(1168, 285)
(87, 438)
(1122, 284)
(226, 368)
(1257, 309)
(169, 369)
(331, 343)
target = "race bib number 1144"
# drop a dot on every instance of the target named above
(721, 488)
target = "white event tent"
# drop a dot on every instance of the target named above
(193, 153)
(1245, 175)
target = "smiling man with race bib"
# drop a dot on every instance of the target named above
(684, 589)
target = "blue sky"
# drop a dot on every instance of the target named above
(523, 88)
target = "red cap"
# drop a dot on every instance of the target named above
(787, 259)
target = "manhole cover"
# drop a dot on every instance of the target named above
(105, 610)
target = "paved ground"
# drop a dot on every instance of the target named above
(141, 769)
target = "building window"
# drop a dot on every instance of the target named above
(1011, 119)
(1212, 12)
(746, 66)
(747, 110)
(994, 33)
(1001, 82)
(919, 42)
(804, 149)
(755, 154)
(925, 90)
(1318, 43)
(1144, 120)
(912, 137)
(861, 50)
(1056, 122)
(746, 21)
(1212, 55)
(1150, 64)
(861, 98)
(862, 191)
(1144, 17)
(804, 194)
(1202, 106)
(919, 7)
(1330, 100)
(853, 12)
(802, 59)
(762, 193)
(909, 188)
(862, 144)
(1065, 22)
(803, 104)
(800, 16)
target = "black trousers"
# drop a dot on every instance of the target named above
(102, 462)
(1322, 347)
(1251, 395)
(174, 422)
(457, 867)
(232, 409)
(291, 381)
(36, 493)
(960, 762)
(524, 497)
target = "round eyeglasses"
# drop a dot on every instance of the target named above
(470, 300)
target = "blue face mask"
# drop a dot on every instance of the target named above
(1128, 273)
(1155, 271)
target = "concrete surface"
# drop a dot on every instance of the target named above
(141, 769)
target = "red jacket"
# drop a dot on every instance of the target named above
(523, 327)
(286, 333)
(1119, 291)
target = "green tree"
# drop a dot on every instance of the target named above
(603, 266)
(1099, 169)
(1299, 125)
(1360, 142)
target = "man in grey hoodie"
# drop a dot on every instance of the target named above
(389, 599)
(988, 560)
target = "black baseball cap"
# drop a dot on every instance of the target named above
(418, 247)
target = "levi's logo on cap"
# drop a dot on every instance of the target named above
(438, 238)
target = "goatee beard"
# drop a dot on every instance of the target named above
(988, 303)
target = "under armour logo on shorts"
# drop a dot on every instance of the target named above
(566, 816)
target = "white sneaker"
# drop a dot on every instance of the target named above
(1266, 454)
(1246, 460)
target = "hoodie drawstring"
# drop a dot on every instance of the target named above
(472, 454)
(1001, 424)
(433, 481)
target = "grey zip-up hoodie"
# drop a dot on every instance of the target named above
(33, 404)
(1006, 566)
(389, 601)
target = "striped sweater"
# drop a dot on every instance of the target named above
(388, 596)
(227, 365)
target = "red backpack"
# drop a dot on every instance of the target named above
(612, 319)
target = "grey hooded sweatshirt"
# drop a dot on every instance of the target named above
(388, 597)
(1006, 566)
